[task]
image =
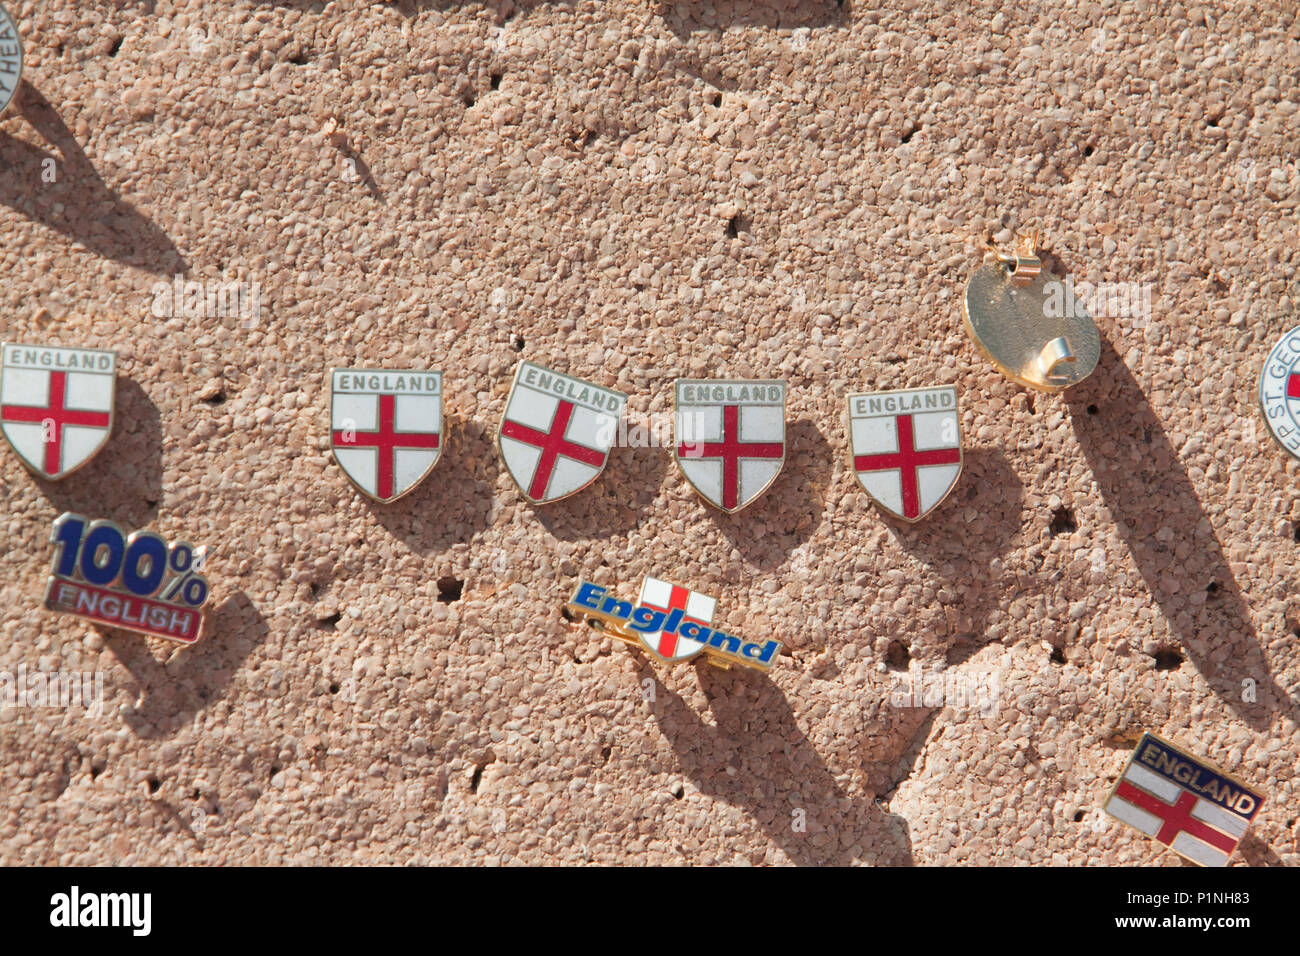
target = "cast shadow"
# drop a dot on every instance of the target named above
(455, 501)
(989, 484)
(194, 677)
(124, 481)
(775, 772)
(790, 511)
(714, 17)
(78, 203)
(615, 502)
(1110, 415)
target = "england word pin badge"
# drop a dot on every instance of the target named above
(385, 428)
(56, 405)
(1279, 392)
(139, 583)
(11, 59)
(906, 447)
(730, 439)
(557, 431)
(672, 622)
(1183, 802)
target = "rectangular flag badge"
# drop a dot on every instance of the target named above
(1189, 805)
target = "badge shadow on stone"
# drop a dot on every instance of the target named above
(72, 202)
(615, 502)
(123, 482)
(193, 678)
(1110, 415)
(777, 772)
(789, 512)
(963, 550)
(454, 501)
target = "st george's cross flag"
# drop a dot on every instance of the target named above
(906, 447)
(557, 431)
(385, 428)
(1183, 802)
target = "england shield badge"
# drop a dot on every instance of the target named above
(906, 447)
(385, 428)
(697, 609)
(557, 431)
(730, 438)
(56, 405)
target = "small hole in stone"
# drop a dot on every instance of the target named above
(329, 623)
(897, 655)
(117, 45)
(907, 137)
(1058, 656)
(1087, 151)
(334, 688)
(475, 780)
(1063, 521)
(1168, 659)
(195, 795)
(95, 770)
(678, 791)
(496, 81)
(469, 98)
(275, 768)
(1030, 404)
(717, 99)
(1212, 589)
(568, 615)
(449, 589)
(154, 784)
(1078, 816)
(1295, 533)
(217, 399)
(151, 502)
(605, 753)
(314, 588)
(1092, 409)
(516, 341)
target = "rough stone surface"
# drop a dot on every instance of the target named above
(635, 191)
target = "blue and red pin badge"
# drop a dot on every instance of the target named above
(139, 582)
(1183, 802)
(672, 622)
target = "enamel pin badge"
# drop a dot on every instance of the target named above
(1279, 392)
(138, 583)
(730, 438)
(56, 405)
(557, 431)
(1184, 803)
(385, 428)
(1009, 313)
(906, 447)
(671, 622)
(11, 59)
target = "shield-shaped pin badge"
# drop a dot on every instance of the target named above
(11, 59)
(697, 615)
(730, 438)
(56, 405)
(906, 447)
(385, 428)
(557, 431)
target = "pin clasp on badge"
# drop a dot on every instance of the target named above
(1005, 311)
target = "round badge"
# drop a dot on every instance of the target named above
(1279, 392)
(11, 59)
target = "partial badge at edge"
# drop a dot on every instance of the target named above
(56, 405)
(1279, 392)
(11, 59)
(1182, 802)
(138, 583)
(906, 447)
(386, 428)
(556, 432)
(672, 622)
(730, 437)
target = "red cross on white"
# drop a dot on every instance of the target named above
(387, 442)
(908, 461)
(554, 444)
(667, 597)
(731, 450)
(54, 418)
